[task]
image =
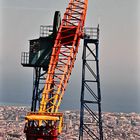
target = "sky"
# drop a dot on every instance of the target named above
(119, 48)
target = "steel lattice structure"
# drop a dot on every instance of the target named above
(90, 91)
(46, 123)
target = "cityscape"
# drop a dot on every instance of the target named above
(116, 126)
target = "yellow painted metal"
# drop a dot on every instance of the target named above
(61, 63)
(60, 125)
(80, 6)
(41, 117)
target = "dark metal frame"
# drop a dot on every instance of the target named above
(39, 77)
(92, 105)
(39, 72)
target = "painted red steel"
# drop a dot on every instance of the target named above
(62, 60)
(64, 55)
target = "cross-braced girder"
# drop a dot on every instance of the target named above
(63, 55)
(60, 67)
(90, 91)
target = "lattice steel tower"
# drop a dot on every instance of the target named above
(90, 115)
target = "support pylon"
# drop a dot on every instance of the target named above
(90, 91)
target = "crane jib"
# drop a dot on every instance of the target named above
(47, 123)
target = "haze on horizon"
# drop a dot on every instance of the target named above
(119, 51)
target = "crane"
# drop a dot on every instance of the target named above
(57, 59)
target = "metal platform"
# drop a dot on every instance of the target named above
(40, 49)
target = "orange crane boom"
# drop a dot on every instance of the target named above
(63, 55)
(48, 121)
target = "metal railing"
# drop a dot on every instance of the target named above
(91, 33)
(25, 58)
(45, 30)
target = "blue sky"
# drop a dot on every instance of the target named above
(119, 51)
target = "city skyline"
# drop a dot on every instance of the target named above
(115, 125)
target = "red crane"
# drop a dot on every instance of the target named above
(46, 123)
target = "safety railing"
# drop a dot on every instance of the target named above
(91, 33)
(45, 30)
(25, 58)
